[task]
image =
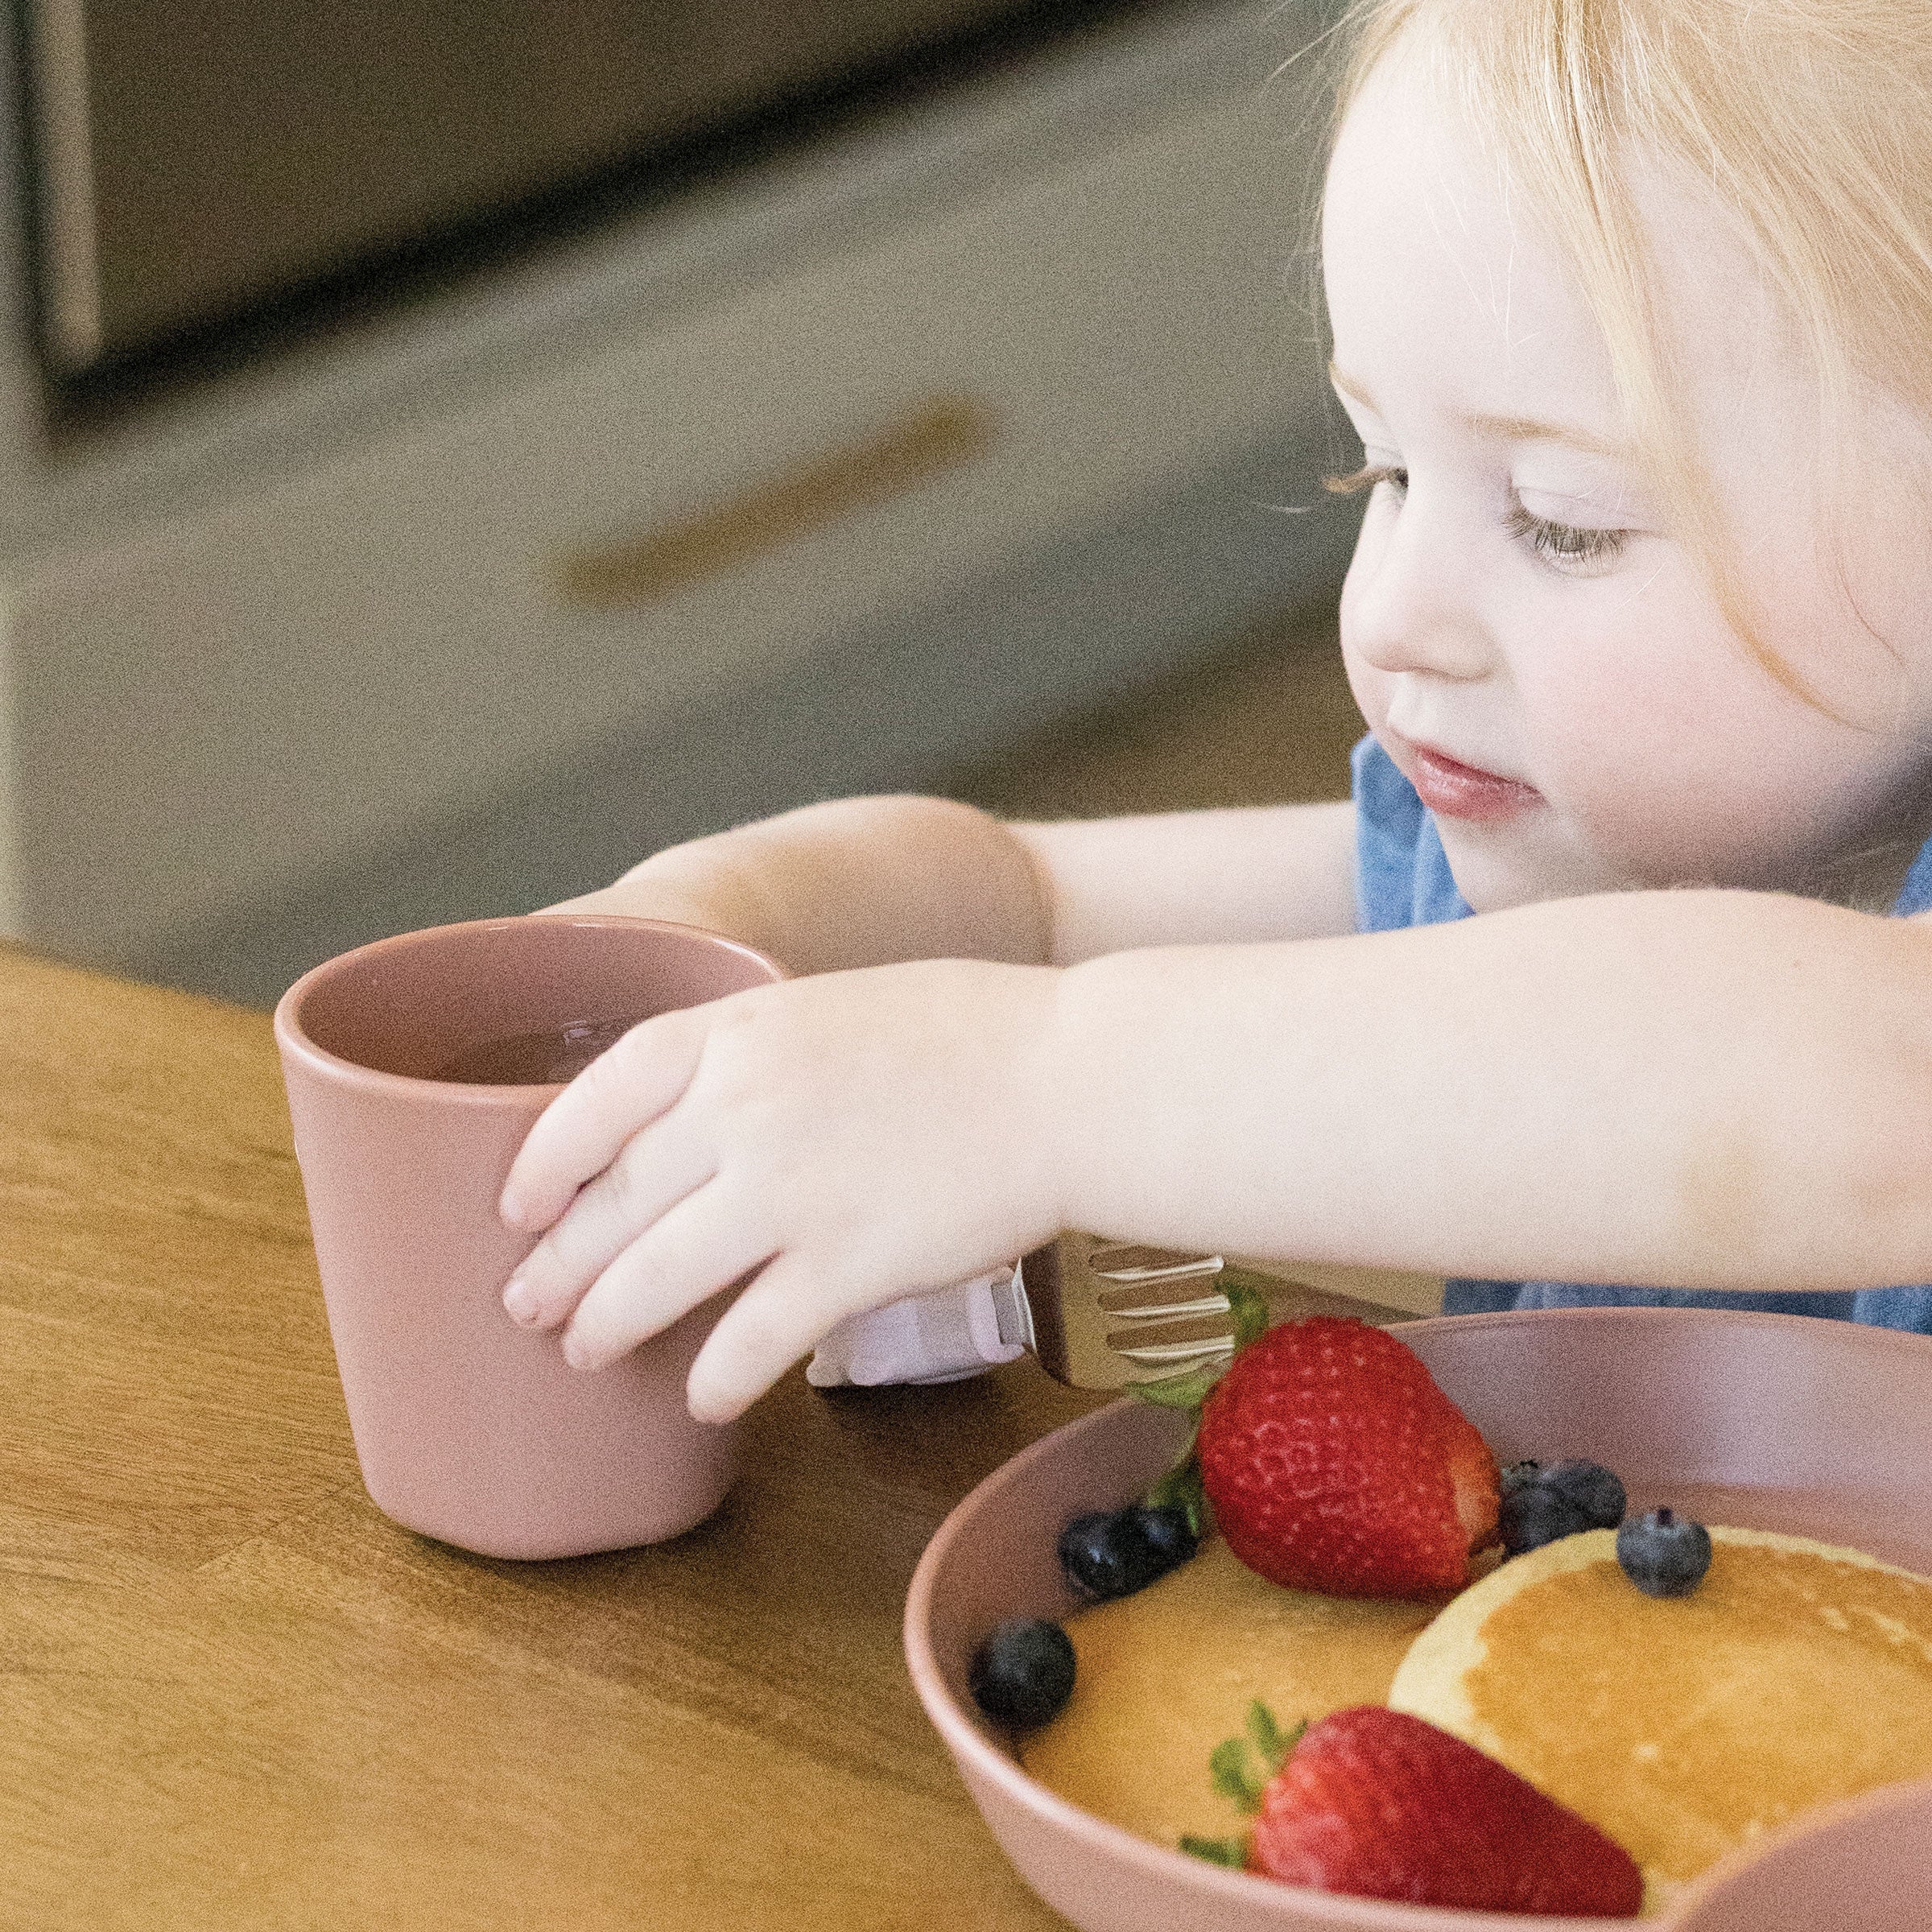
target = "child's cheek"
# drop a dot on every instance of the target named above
(1371, 688)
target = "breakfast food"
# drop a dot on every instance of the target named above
(1792, 1674)
(1335, 1464)
(1544, 1500)
(1381, 1805)
(1637, 1695)
(1164, 1674)
(1663, 1553)
(1023, 1673)
(1113, 1553)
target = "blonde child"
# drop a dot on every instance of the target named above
(1632, 308)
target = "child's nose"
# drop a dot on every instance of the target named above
(1412, 599)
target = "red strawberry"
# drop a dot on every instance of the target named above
(1380, 1804)
(1335, 1464)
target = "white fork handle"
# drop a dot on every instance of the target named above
(942, 1336)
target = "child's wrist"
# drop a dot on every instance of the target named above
(1086, 1114)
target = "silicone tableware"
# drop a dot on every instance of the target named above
(469, 1428)
(1819, 1428)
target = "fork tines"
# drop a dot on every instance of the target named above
(1106, 1314)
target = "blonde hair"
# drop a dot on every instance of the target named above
(1810, 122)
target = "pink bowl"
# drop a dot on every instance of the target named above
(1861, 1865)
(1817, 1428)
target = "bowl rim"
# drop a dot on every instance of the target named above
(963, 1737)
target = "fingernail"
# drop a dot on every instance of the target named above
(706, 1406)
(509, 1210)
(576, 1352)
(520, 1299)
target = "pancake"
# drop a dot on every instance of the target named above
(1167, 1673)
(1796, 1673)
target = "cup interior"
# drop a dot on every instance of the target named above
(412, 1005)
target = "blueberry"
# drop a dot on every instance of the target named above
(1542, 1501)
(1166, 1532)
(1598, 1492)
(1516, 1475)
(1022, 1674)
(1534, 1515)
(1663, 1553)
(1107, 1555)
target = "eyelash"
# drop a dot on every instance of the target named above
(1562, 544)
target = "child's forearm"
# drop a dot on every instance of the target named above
(852, 883)
(1283, 872)
(870, 882)
(1706, 1089)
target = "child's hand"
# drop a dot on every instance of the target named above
(679, 887)
(853, 1137)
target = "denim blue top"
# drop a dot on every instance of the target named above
(1402, 878)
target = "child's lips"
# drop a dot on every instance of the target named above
(1453, 790)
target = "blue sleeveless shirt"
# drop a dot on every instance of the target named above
(1402, 878)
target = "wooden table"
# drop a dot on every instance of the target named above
(234, 1695)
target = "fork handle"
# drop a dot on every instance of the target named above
(945, 1335)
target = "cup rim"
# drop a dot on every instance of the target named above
(295, 1042)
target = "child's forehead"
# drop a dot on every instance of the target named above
(1411, 174)
(1427, 228)
(1426, 250)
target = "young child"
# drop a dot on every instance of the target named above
(1632, 308)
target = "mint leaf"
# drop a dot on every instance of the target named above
(1233, 1776)
(1271, 1739)
(1230, 1852)
(1253, 1315)
(1187, 1390)
(1180, 1488)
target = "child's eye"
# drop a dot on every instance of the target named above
(1566, 547)
(1366, 478)
(1579, 551)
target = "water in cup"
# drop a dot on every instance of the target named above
(545, 1058)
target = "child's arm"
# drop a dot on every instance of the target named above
(1700, 1089)
(866, 881)
(1705, 1088)
(1196, 878)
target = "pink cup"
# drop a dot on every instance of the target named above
(469, 1428)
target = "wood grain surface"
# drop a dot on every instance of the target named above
(233, 1694)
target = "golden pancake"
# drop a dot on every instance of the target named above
(1167, 1674)
(1794, 1674)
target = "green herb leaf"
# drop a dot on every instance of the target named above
(1180, 1488)
(1252, 1316)
(1231, 1773)
(1230, 1852)
(1271, 1739)
(1187, 1390)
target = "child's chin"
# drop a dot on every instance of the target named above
(1498, 865)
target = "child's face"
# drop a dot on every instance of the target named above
(1518, 603)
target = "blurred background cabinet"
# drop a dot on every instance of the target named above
(448, 451)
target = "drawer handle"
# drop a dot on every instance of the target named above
(946, 434)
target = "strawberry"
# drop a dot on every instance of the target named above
(1381, 1805)
(1335, 1464)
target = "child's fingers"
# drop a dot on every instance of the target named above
(777, 1321)
(655, 1170)
(580, 1133)
(703, 1244)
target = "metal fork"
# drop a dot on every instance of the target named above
(1106, 1314)
(1098, 1314)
